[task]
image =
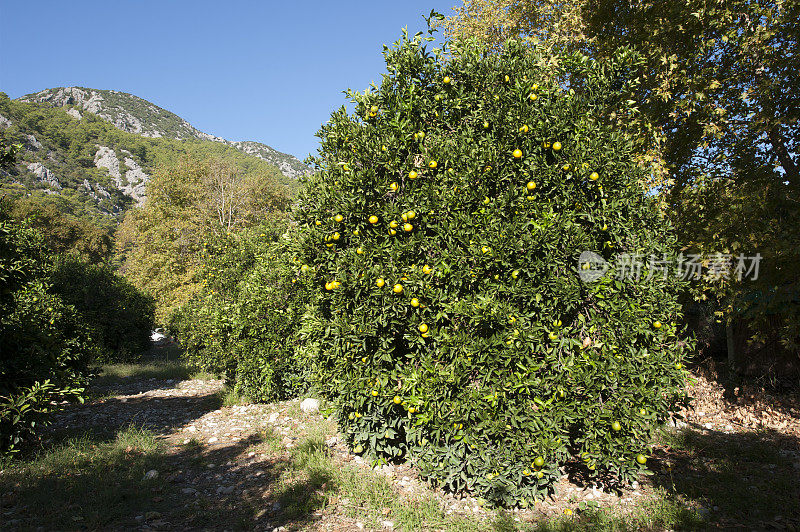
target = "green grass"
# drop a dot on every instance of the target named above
(84, 484)
(313, 480)
(114, 374)
(203, 375)
(228, 396)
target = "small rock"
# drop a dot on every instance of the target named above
(309, 405)
(188, 491)
(276, 507)
(150, 475)
(635, 485)
(139, 518)
(708, 426)
(152, 515)
(273, 417)
(224, 490)
(387, 524)
(360, 525)
(704, 512)
(251, 454)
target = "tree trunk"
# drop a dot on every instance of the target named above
(731, 345)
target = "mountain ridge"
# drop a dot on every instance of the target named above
(87, 163)
(136, 115)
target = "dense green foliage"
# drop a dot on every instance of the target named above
(718, 99)
(119, 316)
(244, 322)
(58, 312)
(66, 226)
(190, 205)
(442, 234)
(45, 346)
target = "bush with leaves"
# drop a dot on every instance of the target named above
(45, 347)
(442, 233)
(243, 324)
(118, 314)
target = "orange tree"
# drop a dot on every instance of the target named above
(442, 232)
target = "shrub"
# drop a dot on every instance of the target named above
(119, 316)
(442, 233)
(244, 322)
(45, 347)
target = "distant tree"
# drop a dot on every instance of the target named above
(162, 243)
(237, 199)
(8, 152)
(66, 227)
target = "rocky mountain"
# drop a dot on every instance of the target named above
(136, 115)
(96, 150)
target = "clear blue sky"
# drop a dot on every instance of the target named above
(270, 71)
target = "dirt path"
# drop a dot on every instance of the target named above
(274, 467)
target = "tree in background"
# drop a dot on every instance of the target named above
(717, 109)
(66, 227)
(162, 244)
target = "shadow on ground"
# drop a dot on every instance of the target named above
(91, 485)
(742, 479)
(102, 419)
